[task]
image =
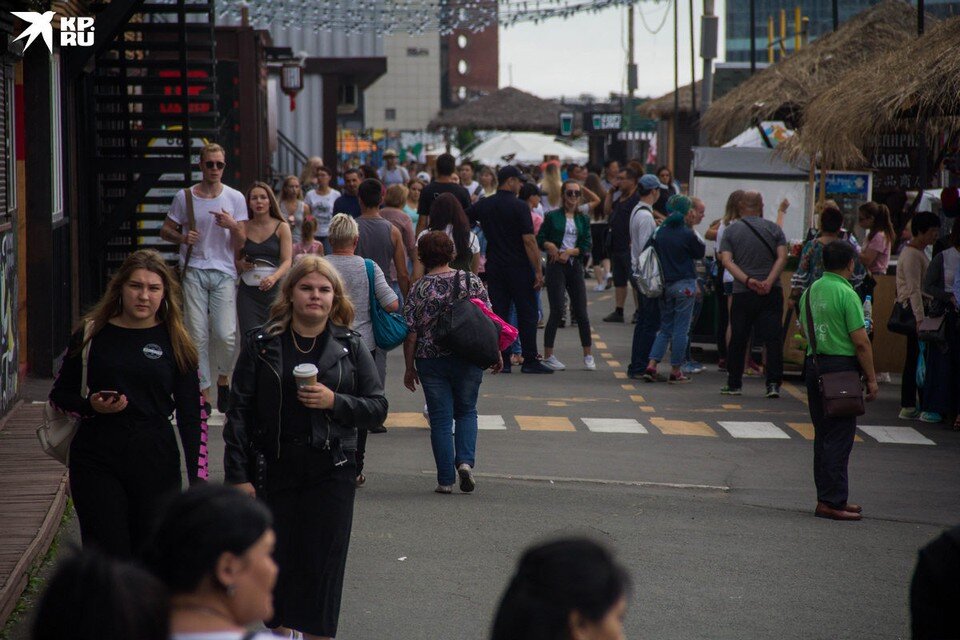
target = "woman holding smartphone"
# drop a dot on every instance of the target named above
(141, 367)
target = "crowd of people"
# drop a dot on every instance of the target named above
(295, 296)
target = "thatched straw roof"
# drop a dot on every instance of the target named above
(914, 88)
(791, 83)
(662, 107)
(507, 109)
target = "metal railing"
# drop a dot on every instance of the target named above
(290, 159)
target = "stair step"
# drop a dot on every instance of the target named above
(153, 98)
(152, 81)
(172, 45)
(161, 118)
(154, 8)
(206, 64)
(166, 27)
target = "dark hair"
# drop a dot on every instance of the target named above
(528, 189)
(923, 222)
(465, 163)
(326, 170)
(879, 215)
(435, 248)
(831, 220)
(353, 170)
(93, 596)
(955, 234)
(837, 255)
(663, 168)
(632, 173)
(446, 209)
(370, 193)
(446, 164)
(610, 161)
(368, 172)
(198, 526)
(553, 580)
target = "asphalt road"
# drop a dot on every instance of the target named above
(716, 530)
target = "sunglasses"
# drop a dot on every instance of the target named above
(573, 194)
(211, 164)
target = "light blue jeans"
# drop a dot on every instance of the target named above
(676, 312)
(451, 386)
(210, 313)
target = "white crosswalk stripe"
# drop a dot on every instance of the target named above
(614, 425)
(491, 423)
(896, 435)
(755, 430)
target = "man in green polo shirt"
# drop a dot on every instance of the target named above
(842, 345)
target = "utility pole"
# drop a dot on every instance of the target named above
(753, 36)
(631, 62)
(709, 32)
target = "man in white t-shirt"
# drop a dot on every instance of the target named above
(465, 172)
(392, 173)
(320, 201)
(210, 282)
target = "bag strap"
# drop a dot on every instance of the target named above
(84, 358)
(191, 224)
(811, 332)
(773, 252)
(370, 283)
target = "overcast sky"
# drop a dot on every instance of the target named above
(587, 53)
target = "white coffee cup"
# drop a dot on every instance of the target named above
(305, 374)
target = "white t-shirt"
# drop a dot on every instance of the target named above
(474, 240)
(215, 248)
(727, 276)
(322, 209)
(474, 189)
(642, 226)
(397, 175)
(569, 234)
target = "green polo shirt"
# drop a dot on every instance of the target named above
(837, 312)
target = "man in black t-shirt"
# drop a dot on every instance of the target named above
(514, 272)
(444, 183)
(619, 250)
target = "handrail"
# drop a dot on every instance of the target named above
(290, 159)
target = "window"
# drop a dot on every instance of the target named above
(463, 68)
(462, 41)
(56, 141)
(390, 114)
(462, 93)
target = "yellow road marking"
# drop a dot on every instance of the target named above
(628, 387)
(598, 344)
(554, 403)
(795, 392)
(682, 427)
(731, 406)
(647, 409)
(407, 420)
(614, 364)
(620, 375)
(606, 354)
(806, 430)
(636, 398)
(544, 423)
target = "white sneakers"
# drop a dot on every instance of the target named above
(589, 364)
(553, 363)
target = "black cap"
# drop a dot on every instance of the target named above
(508, 172)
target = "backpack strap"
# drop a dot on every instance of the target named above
(191, 225)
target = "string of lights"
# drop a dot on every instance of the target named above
(408, 16)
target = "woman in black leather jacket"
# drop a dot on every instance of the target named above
(294, 448)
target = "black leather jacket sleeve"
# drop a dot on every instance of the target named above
(366, 405)
(241, 416)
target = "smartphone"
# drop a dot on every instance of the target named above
(109, 396)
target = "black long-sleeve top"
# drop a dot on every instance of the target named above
(140, 364)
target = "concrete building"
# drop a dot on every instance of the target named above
(470, 64)
(408, 95)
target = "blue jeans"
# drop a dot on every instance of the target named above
(451, 386)
(676, 311)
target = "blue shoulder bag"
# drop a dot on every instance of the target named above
(389, 329)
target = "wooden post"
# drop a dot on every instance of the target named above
(811, 186)
(797, 26)
(770, 53)
(783, 32)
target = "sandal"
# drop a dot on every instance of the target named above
(516, 360)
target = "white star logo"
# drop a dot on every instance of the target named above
(41, 24)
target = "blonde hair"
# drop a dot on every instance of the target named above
(308, 229)
(281, 311)
(211, 147)
(396, 196)
(309, 173)
(732, 211)
(286, 183)
(343, 230)
(169, 313)
(553, 185)
(274, 205)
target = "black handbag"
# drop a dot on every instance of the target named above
(901, 320)
(465, 330)
(841, 392)
(933, 330)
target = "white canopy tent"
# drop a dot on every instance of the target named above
(523, 147)
(776, 132)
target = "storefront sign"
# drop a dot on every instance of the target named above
(896, 161)
(602, 122)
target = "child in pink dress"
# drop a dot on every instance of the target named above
(308, 244)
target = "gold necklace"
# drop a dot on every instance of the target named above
(297, 345)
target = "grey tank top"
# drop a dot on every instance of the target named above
(375, 243)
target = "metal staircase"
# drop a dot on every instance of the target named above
(150, 105)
